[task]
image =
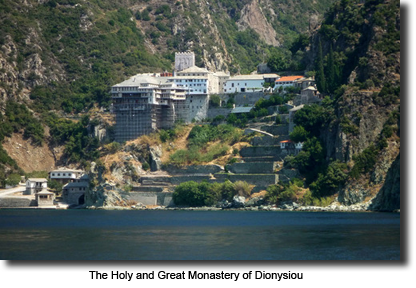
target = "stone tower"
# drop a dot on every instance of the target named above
(184, 60)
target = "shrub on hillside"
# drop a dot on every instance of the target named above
(207, 194)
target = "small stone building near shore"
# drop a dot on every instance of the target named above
(73, 193)
(44, 198)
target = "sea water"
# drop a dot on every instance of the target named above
(33, 234)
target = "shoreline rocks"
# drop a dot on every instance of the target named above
(227, 206)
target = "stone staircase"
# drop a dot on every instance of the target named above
(260, 165)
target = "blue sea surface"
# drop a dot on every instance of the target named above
(34, 234)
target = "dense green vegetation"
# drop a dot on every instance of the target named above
(199, 137)
(79, 145)
(278, 194)
(18, 118)
(260, 110)
(347, 27)
(207, 194)
(92, 58)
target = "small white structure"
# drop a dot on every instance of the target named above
(286, 144)
(34, 185)
(65, 175)
(305, 82)
(270, 78)
(244, 83)
(291, 147)
(299, 145)
(287, 81)
(44, 198)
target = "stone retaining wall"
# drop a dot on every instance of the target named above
(262, 180)
(176, 180)
(144, 189)
(152, 198)
(259, 151)
(264, 141)
(249, 98)
(155, 180)
(277, 130)
(214, 112)
(268, 141)
(252, 168)
(16, 202)
(262, 159)
(285, 175)
(193, 169)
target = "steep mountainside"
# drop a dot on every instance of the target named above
(58, 59)
(360, 71)
(45, 42)
(61, 56)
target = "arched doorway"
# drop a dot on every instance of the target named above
(81, 200)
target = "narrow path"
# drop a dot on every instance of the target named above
(7, 192)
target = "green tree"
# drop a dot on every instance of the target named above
(55, 185)
(332, 72)
(300, 43)
(299, 134)
(188, 193)
(13, 179)
(278, 61)
(312, 118)
(329, 182)
(320, 74)
(331, 83)
(311, 160)
(215, 100)
(364, 162)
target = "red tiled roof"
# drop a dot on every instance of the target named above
(286, 141)
(288, 78)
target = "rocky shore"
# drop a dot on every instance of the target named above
(239, 204)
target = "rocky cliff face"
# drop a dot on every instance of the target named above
(388, 198)
(253, 17)
(367, 106)
(19, 75)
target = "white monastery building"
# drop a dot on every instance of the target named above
(145, 103)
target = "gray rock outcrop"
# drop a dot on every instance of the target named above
(238, 201)
(155, 154)
(105, 195)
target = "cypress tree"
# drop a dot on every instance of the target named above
(331, 75)
(320, 75)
